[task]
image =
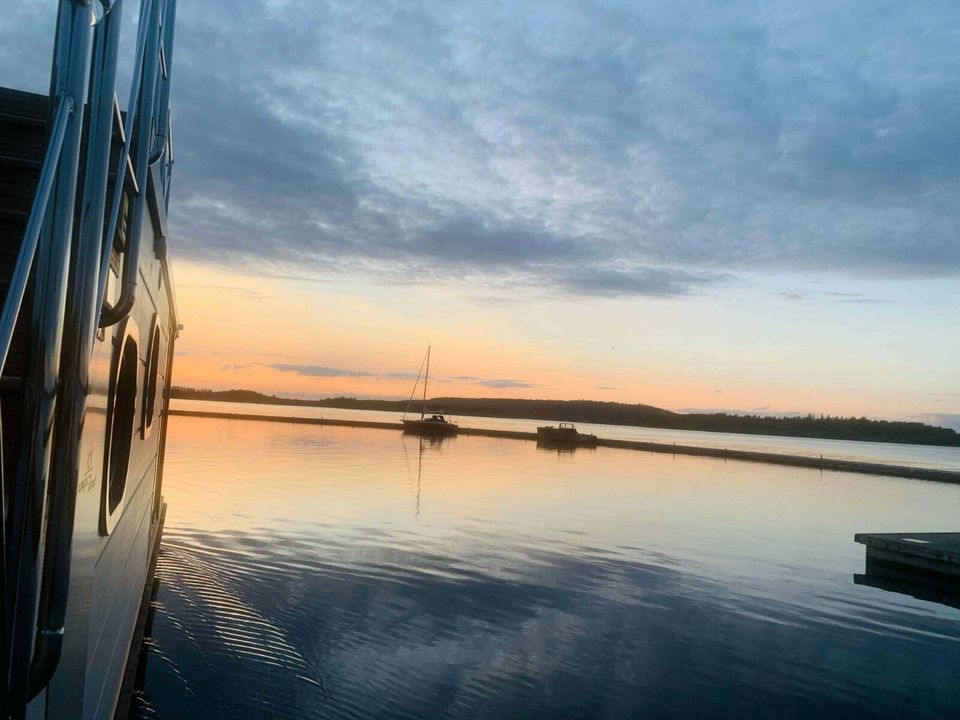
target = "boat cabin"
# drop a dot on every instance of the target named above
(564, 434)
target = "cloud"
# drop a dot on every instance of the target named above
(641, 281)
(331, 372)
(856, 298)
(507, 384)
(319, 370)
(246, 293)
(832, 296)
(323, 371)
(607, 149)
(493, 382)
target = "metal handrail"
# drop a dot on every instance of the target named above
(135, 99)
(80, 324)
(144, 132)
(28, 249)
(51, 160)
(151, 88)
(25, 521)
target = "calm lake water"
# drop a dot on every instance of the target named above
(331, 572)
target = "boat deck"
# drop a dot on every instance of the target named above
(430, 427)
(937, 553)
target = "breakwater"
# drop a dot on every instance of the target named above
(805, 461)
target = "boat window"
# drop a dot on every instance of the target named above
(122, 416)
(150, 382)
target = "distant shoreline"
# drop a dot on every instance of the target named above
(628, 415)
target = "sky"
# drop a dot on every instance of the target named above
(745, 206)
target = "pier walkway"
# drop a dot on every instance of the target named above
(815, 463)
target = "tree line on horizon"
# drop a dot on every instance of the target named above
(615, 413)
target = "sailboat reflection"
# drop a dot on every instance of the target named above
(561, 449)
(429, 442)
(894, 577)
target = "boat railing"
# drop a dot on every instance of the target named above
(69, 264)
(28, 248)
(146, 136)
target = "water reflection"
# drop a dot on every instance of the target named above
(431, 442)
(297, 583)
(561, 449)
(896, 578)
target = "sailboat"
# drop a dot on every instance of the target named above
(429, 423)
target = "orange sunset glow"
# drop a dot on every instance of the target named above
(678, 354)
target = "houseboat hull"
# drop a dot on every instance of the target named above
(87, 367)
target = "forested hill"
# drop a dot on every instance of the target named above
(611, 413)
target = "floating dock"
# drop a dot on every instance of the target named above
(932, 553)
(815, 463)
(923, 565)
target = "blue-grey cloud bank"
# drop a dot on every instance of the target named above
(620, 148)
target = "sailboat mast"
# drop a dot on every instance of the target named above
(426, 378)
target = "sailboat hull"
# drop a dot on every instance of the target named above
(430, 427)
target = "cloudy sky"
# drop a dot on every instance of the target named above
(737, 205)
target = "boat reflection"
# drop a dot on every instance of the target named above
(561, 449)
(425, 442)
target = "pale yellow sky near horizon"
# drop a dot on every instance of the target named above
(726, 351)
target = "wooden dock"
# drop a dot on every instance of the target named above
(930, 553)
(806, 461)
(923, 565)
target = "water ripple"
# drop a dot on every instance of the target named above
(300, 577)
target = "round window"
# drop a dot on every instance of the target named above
(121, 420)
(150, 383)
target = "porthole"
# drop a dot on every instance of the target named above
(120, 423)
(149, 404)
